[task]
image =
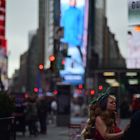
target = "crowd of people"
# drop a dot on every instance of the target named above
(102, 123)
(34, 112)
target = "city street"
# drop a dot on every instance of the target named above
(60, 133)
(54, 133)
(67, 64)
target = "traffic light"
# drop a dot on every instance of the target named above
(41, 66)
(60, 62)
(64, 50)
(55, 92)
(92, 92)
(52, 63)
(100, 87)
(80, 86)
(52, 58)
(36, 89)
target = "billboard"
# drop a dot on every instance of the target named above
(73, 20)
(133, 12)
(133, 46)
(3, 48)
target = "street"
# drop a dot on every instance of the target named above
(60, 133)
(54, 133)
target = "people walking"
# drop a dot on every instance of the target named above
(31, 116)
(53, 110)
(42, 114)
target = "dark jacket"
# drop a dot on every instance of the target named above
(133, 132)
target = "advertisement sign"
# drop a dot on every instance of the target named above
(134, 12)
(74, 24)
(3, 48)
(133, 57)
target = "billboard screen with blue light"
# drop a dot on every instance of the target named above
(74, 20)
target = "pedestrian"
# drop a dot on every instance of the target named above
(31, 116)
(106, 119)
(53, 111)
(54, 107)
(89, 129)
(102, 124)
(42, 109)
(133, 130)
(125, 108)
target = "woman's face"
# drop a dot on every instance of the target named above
(111, 103)
(72, 2)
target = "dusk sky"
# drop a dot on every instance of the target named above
(117, 13)
(22, 17)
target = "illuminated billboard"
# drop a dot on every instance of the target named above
(3, 47)
(74, 22)
(133, 12)
(133, 57)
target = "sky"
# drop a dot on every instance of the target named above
(117, 13)
(22, 17)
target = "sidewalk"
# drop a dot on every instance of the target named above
(60, 133)
(54, 133)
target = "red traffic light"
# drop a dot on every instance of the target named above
(80, 86)
(100, 87)
(52, 58)
(41, 67)
(55, 92)
(63, 62)
(92, 92)
(36, 89)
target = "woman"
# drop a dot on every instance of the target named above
(89, 129)
(106, 119)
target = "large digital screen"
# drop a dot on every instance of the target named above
(133, 12)
(133, 57)
(73, 19)
(3, 47)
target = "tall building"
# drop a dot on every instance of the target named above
(49, 31)
(25, 79)
(41, 32)
(40, 48)
(3, 47)
(47, 21)
(33, 63)
(23, 73)
(103, 52)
